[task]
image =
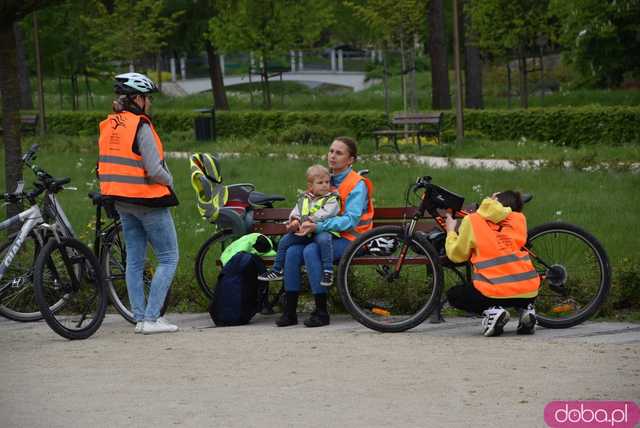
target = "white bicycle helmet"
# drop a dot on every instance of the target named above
(134, 84)
(383, 246)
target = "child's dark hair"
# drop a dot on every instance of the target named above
(511, 199)
(351, 146)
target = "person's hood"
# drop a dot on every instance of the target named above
(492, 210)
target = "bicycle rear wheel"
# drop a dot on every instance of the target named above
(17, 298)
(113, 259)
(69, 270)
(382, 298)
(208, 260)
(574, 271)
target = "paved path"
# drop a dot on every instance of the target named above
(354, 80)
(341, 375)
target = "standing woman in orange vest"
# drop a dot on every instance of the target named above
(355, 217)
(132, 170)
(503, 275)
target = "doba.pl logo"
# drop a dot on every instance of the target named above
(592, 414)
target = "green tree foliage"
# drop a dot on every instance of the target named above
(268, 28)
(65, 42)
(510, 28)
(130, 30)
(397, 23)
(602, 37)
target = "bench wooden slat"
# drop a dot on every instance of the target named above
(271, 214)
(282, 214)
(271, 229)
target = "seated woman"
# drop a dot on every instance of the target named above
(354, 218)
(503, 275)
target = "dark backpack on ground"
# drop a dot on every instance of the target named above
(237, 294)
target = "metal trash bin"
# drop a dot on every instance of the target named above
(205, 124)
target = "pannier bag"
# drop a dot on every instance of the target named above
(206, 180)
(237, 295)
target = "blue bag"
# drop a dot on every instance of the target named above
(237, 295)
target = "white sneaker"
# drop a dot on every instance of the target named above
(161, 325)
(527, 324)
(138, 328)
(495, 318)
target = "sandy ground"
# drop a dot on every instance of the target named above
(342, 375)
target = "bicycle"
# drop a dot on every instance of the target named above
(572, 264)
(235, 219)
(68, 283)
(108, 247)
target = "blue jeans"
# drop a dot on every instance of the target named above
(157, 228)
(309, 255)
(323, 239)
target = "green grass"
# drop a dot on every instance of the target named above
(601, 202)
(297, 97)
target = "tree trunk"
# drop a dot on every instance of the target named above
(413, 85)
(524, 90)
(159, 70)
(266, 89)
(403, 77)
(215, 74)
(60, 93)
(472, 66)
(9, 88)
(509, 89)
(385, 82)
(74, 92)
(440, 98)
(26, 102)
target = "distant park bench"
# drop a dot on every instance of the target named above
(417, 125)
(28, 123)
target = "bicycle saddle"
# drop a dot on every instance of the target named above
(259, 198)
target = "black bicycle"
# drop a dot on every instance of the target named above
(234, 220)
(109, 247)
(391, 278)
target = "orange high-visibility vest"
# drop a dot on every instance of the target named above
(366, 220)
(120, 170)
(501, 269)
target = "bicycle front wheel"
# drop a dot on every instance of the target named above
(113, 259)
(69, 270)
(574, 271)
(208, 260)
(382, 295)
(17, 299)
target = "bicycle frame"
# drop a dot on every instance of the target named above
(29, 219)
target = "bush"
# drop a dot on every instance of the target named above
(561, 126)
(310, 134)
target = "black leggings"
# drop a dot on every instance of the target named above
(468, 298)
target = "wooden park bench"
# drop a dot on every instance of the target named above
(271, 222)
(28, 123)
(413, 125)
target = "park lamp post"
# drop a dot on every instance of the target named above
(458, 75)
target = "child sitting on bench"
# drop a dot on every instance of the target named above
(316, 204)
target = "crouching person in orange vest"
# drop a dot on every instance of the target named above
(132, 170)
(503, 275)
